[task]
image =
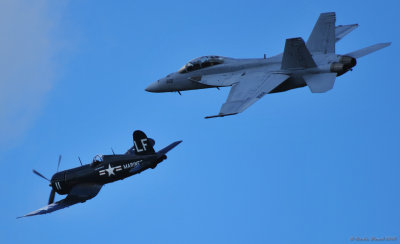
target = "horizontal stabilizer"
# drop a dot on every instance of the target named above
(322, 38)
(342, 30)
(320, 82)
(168, 148)
(296, 55)
(367, 50)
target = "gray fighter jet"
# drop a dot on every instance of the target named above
(314, 64)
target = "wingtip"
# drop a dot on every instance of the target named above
(385, 44)
(219, 115)
(328, 13)
(212, 116)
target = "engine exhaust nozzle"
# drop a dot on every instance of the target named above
(345, 64)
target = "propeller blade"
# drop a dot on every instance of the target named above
(39, 174)
(52, 195)
(80, 161)
(59, 161)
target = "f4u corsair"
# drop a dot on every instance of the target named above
(314, 64)
(84, 183)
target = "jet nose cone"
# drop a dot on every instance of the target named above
(153, 87)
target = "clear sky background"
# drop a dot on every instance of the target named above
(295, 167)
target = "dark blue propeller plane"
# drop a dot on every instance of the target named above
(83, 183)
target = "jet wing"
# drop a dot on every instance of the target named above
(66, 202)
(249, 90)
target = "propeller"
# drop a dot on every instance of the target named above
(52, 195)
(53, 192)
(59, 161)
(39, 174)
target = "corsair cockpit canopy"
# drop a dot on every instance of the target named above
(97, 160)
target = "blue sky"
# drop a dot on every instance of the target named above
(295, 167)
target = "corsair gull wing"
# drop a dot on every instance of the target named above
(79, 193)
(64, 203)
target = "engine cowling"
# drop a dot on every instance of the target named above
(345, 64)
(59, 184)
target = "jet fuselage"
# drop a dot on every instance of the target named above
(183, 81)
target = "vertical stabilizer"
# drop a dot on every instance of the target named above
(296, 55)
(322, 38)
(142, 144)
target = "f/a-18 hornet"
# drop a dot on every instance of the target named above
(314, 64)
(84, 183)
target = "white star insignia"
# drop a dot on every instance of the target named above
(110, 170)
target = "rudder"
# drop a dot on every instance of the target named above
(322, 38)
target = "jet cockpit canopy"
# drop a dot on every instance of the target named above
(200, 63)
(97, 160)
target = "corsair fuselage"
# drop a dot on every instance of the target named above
(107, 169)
